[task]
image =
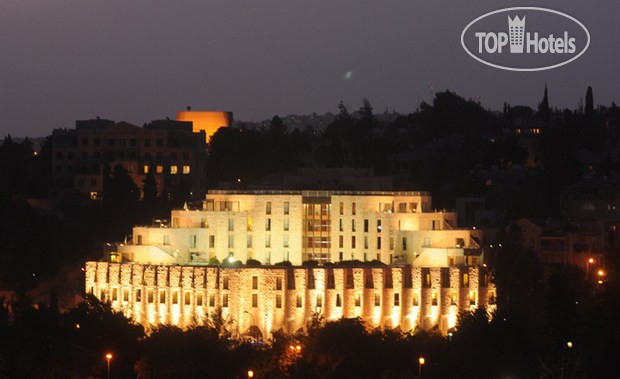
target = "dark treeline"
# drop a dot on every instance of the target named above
(485, 140)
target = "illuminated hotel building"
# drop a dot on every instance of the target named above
(434, 269)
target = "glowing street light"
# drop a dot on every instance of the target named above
(569, 344)
(250, 374)
(421, 362)
(108, 356)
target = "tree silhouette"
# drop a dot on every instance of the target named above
(589, 102)
(543, 108)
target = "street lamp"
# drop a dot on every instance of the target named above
(588, 263)
(421, 362)
(250, 374)
(108, 356)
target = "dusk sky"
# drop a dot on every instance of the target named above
(141, 60)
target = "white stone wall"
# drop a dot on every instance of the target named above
(154, 295)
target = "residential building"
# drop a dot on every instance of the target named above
(169, 149)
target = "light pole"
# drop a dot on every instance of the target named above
(588, 263)
(421, 362)
(108, 356)
(250, 374)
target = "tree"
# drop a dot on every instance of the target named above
(543, 107)
(589, 102)
(149, 189)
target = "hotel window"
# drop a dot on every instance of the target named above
(278, 301)
(231, 225)
(434, 299)
(341, 208)
(166, 240)
(231, 241)
(225, 300)
(212, 300)
(453, 298)
(114, 294)
(146, 169)
(268, 240)
(254, 300)
(286, 224)
(175, 297)
(138, 295)
(353, 208)
(285, 241)
(268, 224)
(379, 227)
(341, 225)
(174, 169)
(160, 142)
(278, 284)
(366, 226)
(365, 257)
(426, 278)
(199, 296)
(341, 241)
(352, 225)
(358, 300)
(416, 300)
(286, 207)
(192, 241)
(150, 296)
(460, 242)
(472, 298)
(298, 301)
(397, 300)
(211, 242)
(352, 242)
(377, 300)
(378, 243)
(249, 241)
(225, 283)
(319, 301)
(365, 242)
(391, 243)
(268, 208)
(162, 297)
(188, 298)
(465, 280)
(341, 256)
(125, 294)
(492, 298)
(404, 243)
(186, 169)
(159, 169)
(255, 282)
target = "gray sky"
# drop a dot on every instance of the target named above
(141, 60)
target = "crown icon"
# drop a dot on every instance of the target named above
(516, 29)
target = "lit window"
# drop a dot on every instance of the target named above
(173, 169)
(186, 169)
(159, 169)
(146, 169)
(254, 300)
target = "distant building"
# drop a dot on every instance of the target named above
(207, 121)
(556, 245)
(170, 149)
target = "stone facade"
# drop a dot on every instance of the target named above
(265, 299)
